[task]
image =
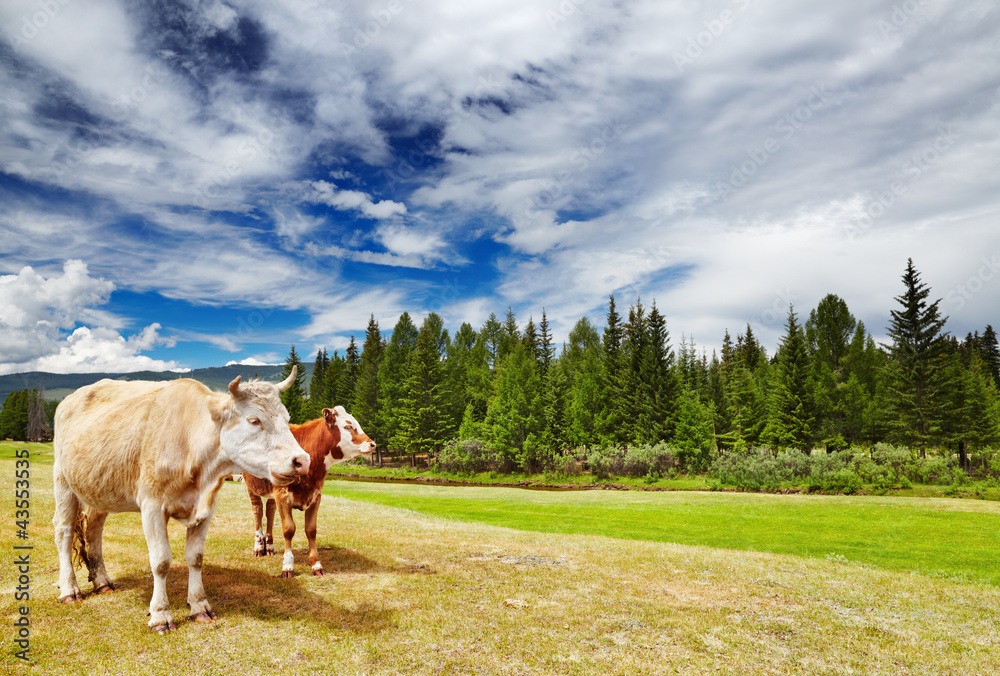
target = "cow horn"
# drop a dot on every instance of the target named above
(235, 386)
(287, 382)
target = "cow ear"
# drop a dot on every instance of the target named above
(234, 387)
(329, 415)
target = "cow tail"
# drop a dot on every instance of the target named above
(80, 539)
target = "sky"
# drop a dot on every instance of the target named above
(186, 184)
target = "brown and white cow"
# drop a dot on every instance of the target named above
(334, 438)
(162, 449)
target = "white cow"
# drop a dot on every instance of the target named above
(163, 449)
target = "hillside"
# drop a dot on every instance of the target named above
(58, 385)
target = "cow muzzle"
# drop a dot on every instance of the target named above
(298, 466)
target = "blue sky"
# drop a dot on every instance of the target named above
(187, 184)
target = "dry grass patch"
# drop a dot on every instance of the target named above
(410, 594)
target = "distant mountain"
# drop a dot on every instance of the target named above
(58, 385)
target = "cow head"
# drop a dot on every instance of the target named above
(353, 440)
(255, 435)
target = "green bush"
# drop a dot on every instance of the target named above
(645, 460)
(468, 456)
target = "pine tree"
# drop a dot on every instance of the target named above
(546, 352)
(555, 407)
(514, 421)
(790, 409)
(510, 336)
(352, 362)
(989, 351)
(612, 424)
(424, 426)
(314, 405)
(587, 398)
(470, 382)
(294, 397)
(693, 437)
(658, 379)
(365, 406)
(334, 382)
(492, 332)
(393, 374)
(917, 368)
(829, 332)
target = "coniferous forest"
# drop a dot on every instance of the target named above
(627, 400)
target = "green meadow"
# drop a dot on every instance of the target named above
(950, 538)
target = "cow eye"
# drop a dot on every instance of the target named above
(254, 421)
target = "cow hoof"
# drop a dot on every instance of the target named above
(70, 598)
(106, 589)
(318, 572)
(286, 573)
(162, 629)
(205, 617)
(259, 554)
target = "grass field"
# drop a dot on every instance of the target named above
(413, 593)
(955, 539)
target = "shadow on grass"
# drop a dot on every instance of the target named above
(266, 596)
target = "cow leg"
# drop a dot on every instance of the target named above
(311, 512)
(258, 515)
(201, 610)
(269, 540)
(154, 525)
(63, 522)
(288, 529)
(95, 554)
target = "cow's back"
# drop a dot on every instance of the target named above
(109, 433)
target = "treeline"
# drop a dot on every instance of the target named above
(505, 388)
(26, 416)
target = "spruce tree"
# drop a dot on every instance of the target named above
(393, 374)
(352, 362)
(917, 368)
(587, 398)
(612, 427)
(658, 379)
(829, 332)
(492, 333)
(989, 351)
(365, 406)
(790, 409)
(334, 382)
(424, 423)
(514, 417)
(294, 397)
(546, 351)
(314, 406)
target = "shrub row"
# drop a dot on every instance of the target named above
(884, 466)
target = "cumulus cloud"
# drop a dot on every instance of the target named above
(40, 327)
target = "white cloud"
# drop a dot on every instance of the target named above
(37, 313)
(329, 194)
(252, 361)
